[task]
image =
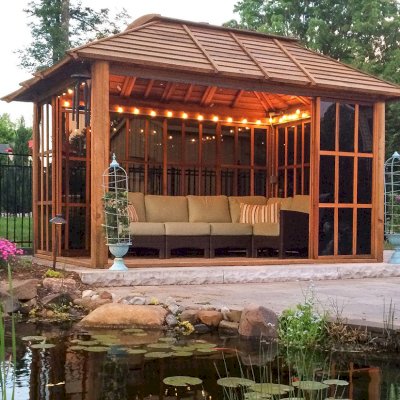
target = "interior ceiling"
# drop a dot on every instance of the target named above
(139, 91)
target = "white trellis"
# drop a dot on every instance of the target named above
(115, 198)
(392, 194)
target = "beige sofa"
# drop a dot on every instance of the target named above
(166, 223)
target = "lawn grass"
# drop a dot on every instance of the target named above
(17, 229)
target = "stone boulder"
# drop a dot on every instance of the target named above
(116, 314)
(56, 285)
(89, 304)
(56, 299)
(9, 303)
(25, 290)
(228, 327)
(210, 318)
(257, 321)
(190, 316)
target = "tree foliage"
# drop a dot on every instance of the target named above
(362, 33)
(57, 25)
(16, 134)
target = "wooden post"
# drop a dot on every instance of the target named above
(100, 149)
(35, 176)
(378, 182)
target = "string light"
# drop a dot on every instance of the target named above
(258, 122)
(244, 121)
(298, 112)
(120, 110)
(230, 119)
(67, 103)
(169, 114)
(136, 111)
(215, 118)
(70, 91)
(153, 113)
(184, 115)
(200, 117)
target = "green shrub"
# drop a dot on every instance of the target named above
(50, 273)
(303, 326)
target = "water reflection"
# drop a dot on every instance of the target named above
(61, 373)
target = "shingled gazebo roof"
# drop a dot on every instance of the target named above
(154, 41)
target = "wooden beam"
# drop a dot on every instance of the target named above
(201, 47)
(303, 100)
(295, 61)
(100, 149)
(268, 100)
(188, 93)
(248, 84)
(127, 86)
(237, 98)
(251, 56)
(263, 102)
(169, 89)
(378, 216)
(208, 95)
(35, 175)
(148, 88)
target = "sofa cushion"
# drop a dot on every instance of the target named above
(137, 200)
(230, 229)
(301, 203)
(265, 229)
(208, 209)
(234, 204)
(253, 213)
(146, 229)
(285, 202)
(187, 229)
(132, 214)
(166, 208)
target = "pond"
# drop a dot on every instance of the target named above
(67, 364)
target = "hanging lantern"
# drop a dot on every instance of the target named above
(81, 93)
(392, 204)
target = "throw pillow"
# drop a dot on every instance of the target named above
(132, 214)
(253, 213)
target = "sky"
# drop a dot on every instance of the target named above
(15, 34)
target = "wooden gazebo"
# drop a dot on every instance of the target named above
(264, 116)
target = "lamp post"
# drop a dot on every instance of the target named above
(58, 220)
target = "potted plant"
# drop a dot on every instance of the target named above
(392, 204)
(116, 220)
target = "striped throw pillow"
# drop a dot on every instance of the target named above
(253, 214)
(132, 214)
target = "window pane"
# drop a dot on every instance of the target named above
(328, 121)
(155, 141)
(290, 183)
(298, 181)
(327, 179)
(281, 146)
(260, 147)
(307, 129)
(228, 145)
(243, 183)
(364, 231)
(137, 138)
(346, 127)
(281, 183)
(208, 182)
(244, 146)
(191, 142)
(77, 182)
(227, 182)
(174, 181)
(154, 180)
(365, 129)
(364, 184)
(345, 239)
(306, 180)
(260, 179)
(290, 145)
(346, 175)
(174, 141)
(191, 180)
(326, 232)
(209, 143)
(299, 142)
(136, 177)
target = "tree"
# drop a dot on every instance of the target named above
(57, 25)
(362, 33)
(7, 129)
(20, 145)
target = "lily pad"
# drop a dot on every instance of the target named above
(167, 340)
(183, 348)
(96, 349)
(182, 381)
(257, 396)
(87, 342)
(182, 354)
(293, 398)
(233, 382)
(43, 346)
(271, 388)
(310, 385)
(76, 348)
(157, 354)
(34, 338)
(104, 337)
(337, 382)
(139, 334)
(159, 346)
(136, 351)
(204, 345)
(206, 350)
(133, 330)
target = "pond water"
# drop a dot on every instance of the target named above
(133, 364)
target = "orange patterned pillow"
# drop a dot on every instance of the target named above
(254, 213)
(132, 214)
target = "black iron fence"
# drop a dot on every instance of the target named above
(16, 199)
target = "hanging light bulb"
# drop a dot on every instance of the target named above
(215, 118)
(169, 114)
(244, 121)
(153, 113)
(136, 111)
(230, 119)
(67, 103)
(184, 115)
(258, 122)
(120, 110)
(200, 117)
(70, 91)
